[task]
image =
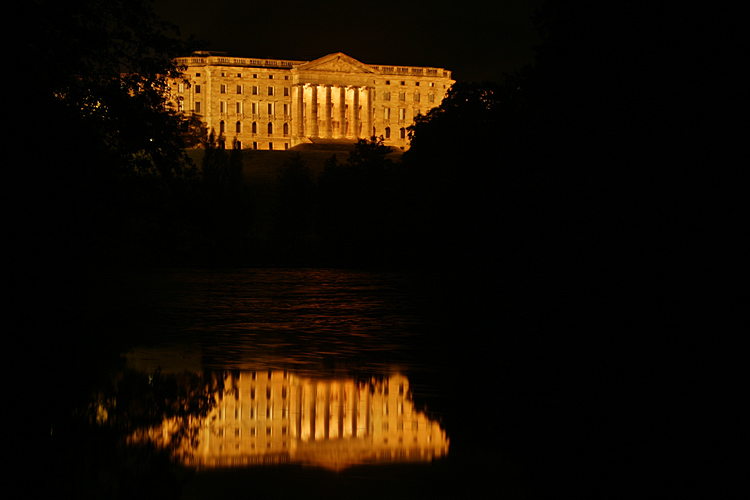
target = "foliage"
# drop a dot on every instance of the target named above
(462, 193)
(296, 202)
(226, 207)
(110, 177)
(357, 208)
(106, 74)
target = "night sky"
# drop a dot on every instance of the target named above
(478, 41)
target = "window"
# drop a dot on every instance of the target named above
(197, 107)
(387, 132)
(431, 97)
(416, 83)
(255, 90)
(197, 89)
(270, 129)
(401, 113)
(270, 146)
(254, 129)
(286, 133)
(403, 83)
(197, 74)
(386, 113)
(239, 75)
(286, 91)
(222, 106)
(432, 84)
(270, 108)
(286, 109)
(239, 108)
(238, 127)
(387, 82)
(416, 96)
(254, 107)
(402, 96)
(255, 76)
(270, 91)
(239, 89)
(402, 133)
(386, 96)
(270, 77)
(223, 88)
(221, 127)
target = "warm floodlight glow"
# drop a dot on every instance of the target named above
(276, 417)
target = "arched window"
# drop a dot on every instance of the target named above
(239, 127)
(270, 128)
(387, 132)
(221, 127)
(286, 129)
(255, 128)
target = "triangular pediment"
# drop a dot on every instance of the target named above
(338, 63)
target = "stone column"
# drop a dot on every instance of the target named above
(314, 111)
(299, 103)
(328, 126)
(342, 113)
(355, 113)
(367, 130)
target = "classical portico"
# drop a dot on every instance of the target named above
(333, 98)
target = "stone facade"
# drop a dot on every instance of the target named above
(279, 104)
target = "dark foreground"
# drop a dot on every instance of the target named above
(549, 392)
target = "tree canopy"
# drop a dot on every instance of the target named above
(103, 83)
(106, 152)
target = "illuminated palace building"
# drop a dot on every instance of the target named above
(279, 104)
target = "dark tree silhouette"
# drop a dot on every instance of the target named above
(226, 208)
(464, 172)
(113, 167)
(296, 206)
(358, 217)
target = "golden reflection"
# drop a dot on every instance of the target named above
(274, 416)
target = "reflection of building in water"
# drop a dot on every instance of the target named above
(275, 416)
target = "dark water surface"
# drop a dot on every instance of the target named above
(286, 383)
